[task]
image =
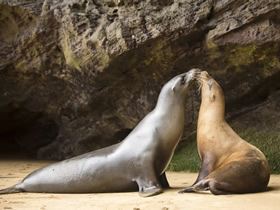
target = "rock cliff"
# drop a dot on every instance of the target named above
(79, 75)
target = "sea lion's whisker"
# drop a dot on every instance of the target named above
(200, 83)
(200, 80)
(203, 77)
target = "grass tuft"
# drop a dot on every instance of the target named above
(186, 158)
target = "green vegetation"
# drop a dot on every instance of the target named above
(213, 49)
(161, 54)
(186, 158)
(268, 142)
(70, 58)
(249, 54)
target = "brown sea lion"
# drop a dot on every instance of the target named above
(229, 164)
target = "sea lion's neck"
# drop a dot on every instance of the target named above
(168, 102)
(169, 111)
(211, 113)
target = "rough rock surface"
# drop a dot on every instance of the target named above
(78, 75)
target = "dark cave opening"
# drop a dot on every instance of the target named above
(23, 132)
(10, 149)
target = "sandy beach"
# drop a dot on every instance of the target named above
(14, 170)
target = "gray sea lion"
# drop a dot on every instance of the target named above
(229, 164)
(138, 162)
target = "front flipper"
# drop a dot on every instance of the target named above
(163, 181)
(205, 169)
(148, 184)
(150, 191)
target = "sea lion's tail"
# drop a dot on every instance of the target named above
(13, 189)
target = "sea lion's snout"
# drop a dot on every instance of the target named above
(190, 75)
(204, 74)
(203, 77)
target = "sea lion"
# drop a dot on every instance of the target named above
(140, 159)
(229, 164)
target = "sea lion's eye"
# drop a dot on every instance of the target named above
(213, 97)
(183, 80)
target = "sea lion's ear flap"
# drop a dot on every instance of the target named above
(173, 88)
(175, 83)
(213, 97)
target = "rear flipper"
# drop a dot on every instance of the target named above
(215, 187)
(13, 189)
(205, 184)
(199, 186)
